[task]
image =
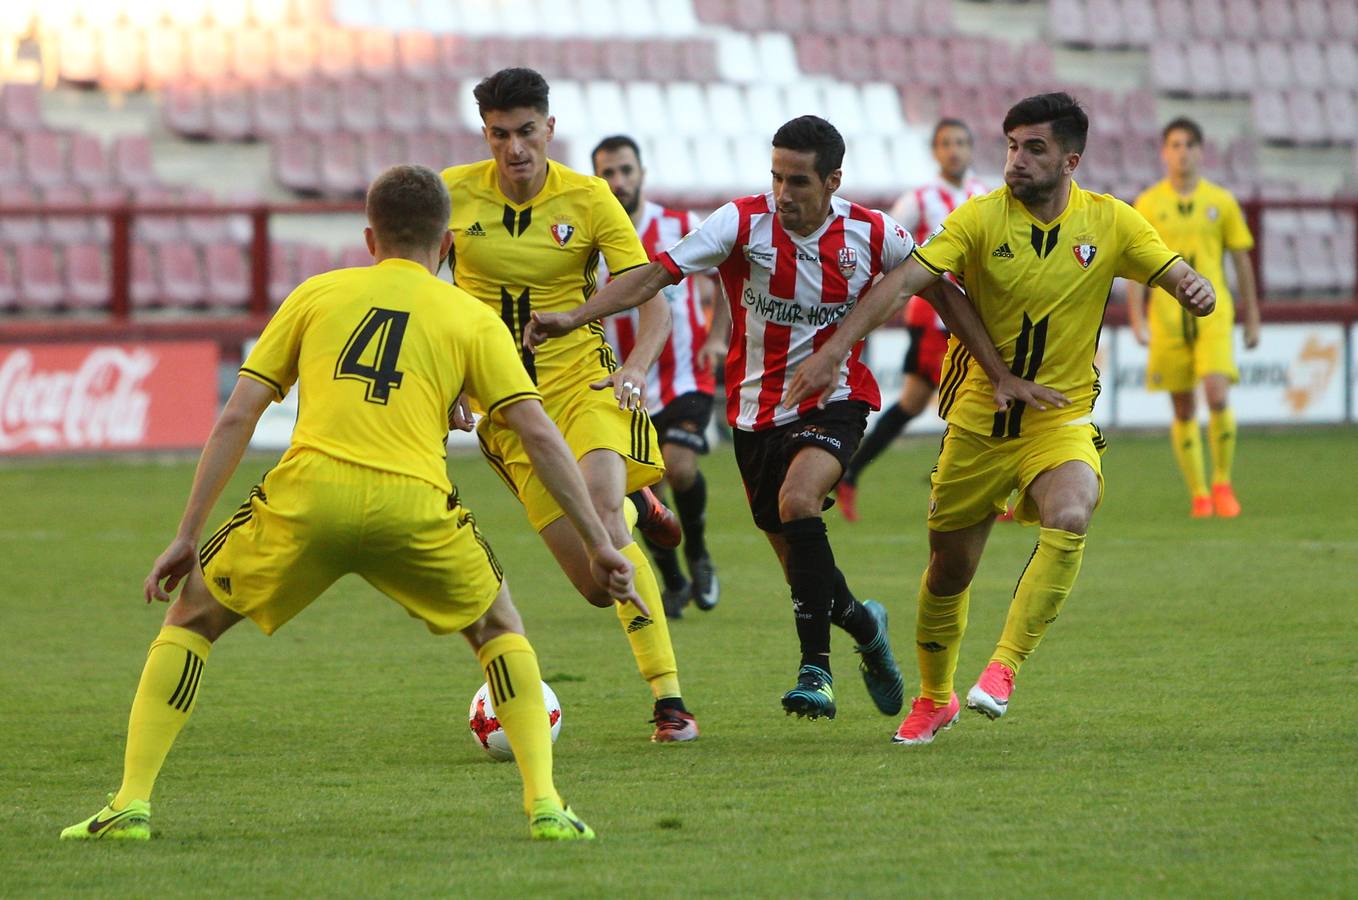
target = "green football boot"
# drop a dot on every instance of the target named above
(132, 823)
(557, 822)
(878, 665)
(814, 695)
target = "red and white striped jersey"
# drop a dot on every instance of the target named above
(677, 371)
(787, 294)
(921, 210)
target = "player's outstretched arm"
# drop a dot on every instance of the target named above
(632, 288)
(556, 466)
(629, 382)
(1193, 292)
(221, 454)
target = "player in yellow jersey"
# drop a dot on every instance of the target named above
(1037, 258)
(528, 234)
(381, 353)
(1203, 222)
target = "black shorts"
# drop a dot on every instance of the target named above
(683, 421)
(764, 456)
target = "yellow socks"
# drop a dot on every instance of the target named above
(1221, 439)
(165, 697)
(1188, 451)
(1043, 588)
(511, 669)
(939, 625)
(649, 636)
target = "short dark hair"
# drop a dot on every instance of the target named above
(1070, 124)
(511, 89)
(1183, 123)
(408, 208)
(949, 122)
(611, 144)
(814, 135)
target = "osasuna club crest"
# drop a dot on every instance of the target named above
(1084, 254)
(848, 261)
(562, 232)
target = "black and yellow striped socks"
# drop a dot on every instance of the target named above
(166, 695)
(511, 669)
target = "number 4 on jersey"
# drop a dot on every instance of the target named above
(370, 353)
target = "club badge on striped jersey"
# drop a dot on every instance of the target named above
(1084, 254)
(848, 261)
(561, 233)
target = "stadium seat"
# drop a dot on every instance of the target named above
(440, 109)
(776, 57)
(1277, 19)
(660, 60)
(738, 58)
(868, 169)
(458, 56)
(1238, 66)
(21, 107)
(316, 107)
(180, 274)
(282, 271)
(9, 292)
(143, 286)
(87, 276)
(164, 63)
(157, 227)
(294, 51)
(1343, 20)
(359, 105)
(341, 166)
(645, 109)
(121, 59)
(1209, 19)
(417, 55)
(580, 59)
(717, 169)
(227, 276)
(1175, 21)
(252, 55)
(185, 110)
(229, 111)
(9, 159)
(1275, 65)
(1313, 20)
(295, 164)
(39, 277)
(688, 108)
(672, 167)
(843, 104)
(1103, 18)
(698, 57)
(1341, 61)
(312, 260)
(208, 54)
(1308, 117)
(1308, 65)
(752, 15)
(203, 229)
(815, 54)
(1242, 21)
(401, 105)
(88, 164)
(272, 109)
(929, 62)
(67, 229)
(966, 59)
(620, 60)
(353, 256)
(377, 52)
(78, 52)
(379, 151)
(1204, 70)
(337, 55)
(17, 228)
(132, 165)
(767, 110)
(882, 109)
(727, 104)
(603, 101)
(1272, 119)
(1067, 22)
(869, 17)
(45, 158)
(890, 59)
(1138, 20)
(1341, 115)
(853, 58)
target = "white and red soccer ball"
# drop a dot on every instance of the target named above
(486, 730)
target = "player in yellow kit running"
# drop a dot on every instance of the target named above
(1037, 258)
(527, 236)
(381, 353)
(1202, 221)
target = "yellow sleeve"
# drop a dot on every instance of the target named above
(947, 249)
(614, 235)
(1143, 255)
(273, 361)
(1235, 233)
(494, 375)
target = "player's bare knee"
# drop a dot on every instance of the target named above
(500, 618)
(949, 574)
(1071, 516)
(796, 502)
(198, 611)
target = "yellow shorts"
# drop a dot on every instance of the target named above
(589, 420)
(1184, 347)
(316, 518)
(976, 473)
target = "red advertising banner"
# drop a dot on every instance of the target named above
(61, 398)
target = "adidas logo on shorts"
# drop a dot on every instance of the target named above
(476, 230)
(224, 583)
(1003, 251)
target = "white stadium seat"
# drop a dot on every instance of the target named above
(726, 102)
(688, 108)
(646, 109)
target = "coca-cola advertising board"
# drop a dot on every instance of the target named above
(65, 398)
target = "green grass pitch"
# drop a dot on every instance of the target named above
(1186, 729)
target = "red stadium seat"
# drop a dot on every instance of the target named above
(143, 285)
(39, 280)
(312, 260)
(402, 105)
(580, 59)
(1138, 18)
(1242, 20)
(1209, 19)
(1272, 118)
(359, 104)
(1308, 65)
(417, 55)
(790, 16)
(1277, 20)
(354, 257)
(1313, 20)
(1308, 117)
(9, 159)
(132, 161)
(1204, 70)
(935, 17)
(157, 227)
(9, 292)
(815, 54)
(621, 60)
(88, 163)
(458, 56)
(185, 110)
(1103, 21)
(1341, 61)
(295, 49)
(966, 59)
(165, 63)
(273, 109)
(929, 62)
(294, 163)
(282, 271)
(660, 60)
(338, 53)
(121, 59)
(1238, 67)
(67, 229)
(203, 229)
(1343, 20)
(316, 106)
(229, 113)
(19, 229)
(227, 275)
(891, 60)
(698, 59)
(45, 158)
(87, 276)
(869, 17)
(440, 104)
(105, 195)
(21, 107)
(714, 12)
(380, 150)
(208, 54)
(78, 48)
(431, 149)
(252, 56)
(376, 52)
(901, 18)
(853, 58)
(921, 105)
(341, 166)
(1275, 65)
(1176, 22)
(545, 55)
(180, 274)
(1341, 115)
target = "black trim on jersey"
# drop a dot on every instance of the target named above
(958, 364)
(512, 398)
(1100, 442)
(468, 518)
(924, 262)
(1160, 271)
(1032, 342)
(516, 223)
(1044, 242)
(516, 313)
(278, 388)
(498, 464)
(591, 274)
(624, 271)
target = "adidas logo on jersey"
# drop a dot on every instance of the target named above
(1003, 251)
(476, 230)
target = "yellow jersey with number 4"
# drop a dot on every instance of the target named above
(380, 354)
(543, 255)
(1040, 289)
(1201, 227)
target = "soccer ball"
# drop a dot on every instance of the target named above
(486, 730)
